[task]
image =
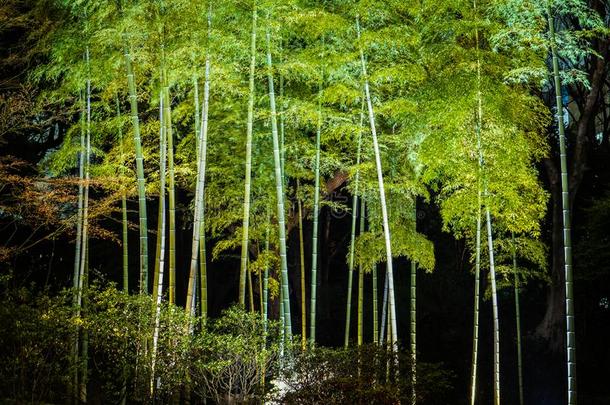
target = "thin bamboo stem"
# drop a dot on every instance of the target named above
(302, 264)
(361, 281)
(517, 321)
(201, 166)
(133, 101)
(348, 309)
(279, 184)
(248, 175)
(314, 238)
(382, 197)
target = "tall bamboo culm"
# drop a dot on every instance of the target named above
(314, 237)
(78, 242)
(517, 320)
(248, 175)
(375, 309)
(143, 221)
(382, 199)
(82, 278)
(302, 264)
(361, 279)
(413, 323)
(567, 225)
(279, 185)
(201, 165)
(125, 230)
(494, 302)
(158, 286)
(350, 277)
(169, 137)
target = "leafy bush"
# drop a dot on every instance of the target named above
(369, 374)
(35, 342)
(233, 357)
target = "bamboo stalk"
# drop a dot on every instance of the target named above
(82, 279)
(133, 101)
(279, 196)
(517, 321)
(158, 293)
(348, 310)
(199, 189)
(477, 293)
(494, 301)
(125, 229)
(361, 281)
(413, 323)
(382, 198)
(79, 240)
(266, 280)
(248, 175)
(316, 214)
(375, 309)
(302, 263)
(567, 225)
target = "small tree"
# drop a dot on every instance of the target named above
(232, 359)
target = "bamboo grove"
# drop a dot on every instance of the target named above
(242, 120)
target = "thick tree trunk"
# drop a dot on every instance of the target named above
(551, 326)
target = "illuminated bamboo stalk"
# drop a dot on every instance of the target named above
(316, 214)
(279, 184)
(197, 118)
(361, 281)
(250, 291)
(517, 321)
(123, 203)
(83, 273)
(266, 279)
(567, 225)
(158, 287)
(203, 266)
(494, 301)
(302, 263)
(79, 214)
(201, 166)
(143, 221)
(413, 323)
(375, 309)
(477, 299)
(382, 197)
(160, 213)
(169, 134)
(203, 279)
(79, 241)
(384, 309)
(248, 175)
(348, 310)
